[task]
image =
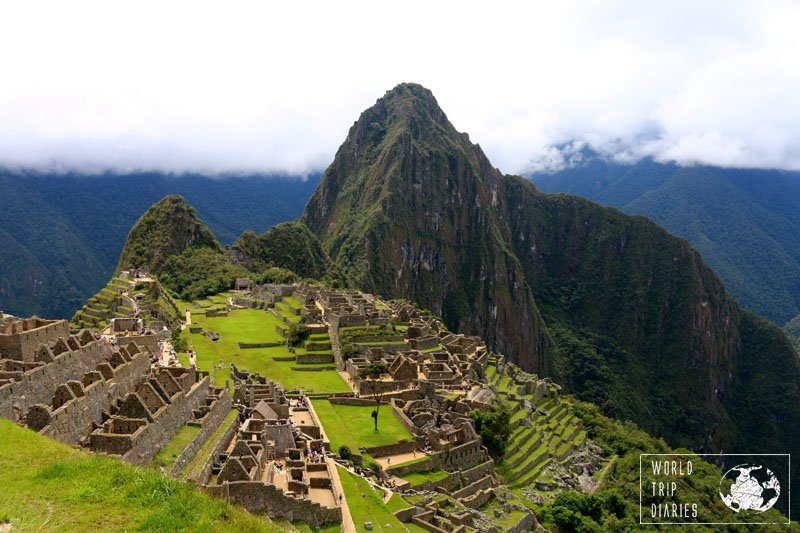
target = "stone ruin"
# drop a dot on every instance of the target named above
(146, 419)
(275, 462)
(90, 391)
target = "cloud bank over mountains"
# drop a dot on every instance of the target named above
(254, 87)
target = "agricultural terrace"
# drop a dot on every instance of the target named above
(255, 326)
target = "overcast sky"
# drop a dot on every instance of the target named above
(265, 87)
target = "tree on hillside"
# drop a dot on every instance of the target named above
(494, 427)
(371, 375)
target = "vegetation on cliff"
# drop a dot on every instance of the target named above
(168, 228)
(613, 504)
(744, 222)
(198, 272)
(618, 309)
(290, 245)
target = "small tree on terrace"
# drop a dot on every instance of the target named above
(371, 376)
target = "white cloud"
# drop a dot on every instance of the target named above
(256, 86)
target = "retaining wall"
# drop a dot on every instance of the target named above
(208, 426)
(257, 497)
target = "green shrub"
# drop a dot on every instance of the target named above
(344, 452)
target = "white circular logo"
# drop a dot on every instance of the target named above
(749, 487)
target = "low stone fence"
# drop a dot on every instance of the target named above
(404, 446)
(251, 345)
(313, 368)
(339, 400)
(314, 358)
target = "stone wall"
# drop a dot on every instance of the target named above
(208, 425)
(249, 345)
(404, 446)
(204, 474)
(166, 423)
(314, 358)
(149, 342)
(37, 386)
(20, 338)
(526, 523)
(138, 443)
(258, 497)
(479, 485)
(364, 402)
(74, 420)
(473, 474)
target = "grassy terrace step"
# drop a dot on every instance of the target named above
(520, 435)
(169, 453)
(255, 326)
(539, 455)
(353, 426)
(196, 464)
(523, 455)
(533, 475)
(418, 478)
(54, 487)
(547, 404)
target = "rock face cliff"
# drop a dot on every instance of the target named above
(166, 229)
(614, 307)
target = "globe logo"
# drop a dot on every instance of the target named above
(749, 487)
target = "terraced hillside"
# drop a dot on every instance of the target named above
(545, 431)
(124, 298)
(107, 304)
(256, 339)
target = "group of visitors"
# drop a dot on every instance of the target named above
(314, 456)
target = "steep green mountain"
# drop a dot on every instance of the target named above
(614, 307)
(410, 208)
(170, 241)
(744, 222)
(168, 228)
(289, 245)
(61, 234)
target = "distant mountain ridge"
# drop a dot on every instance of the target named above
(744, 222)
(61, 235)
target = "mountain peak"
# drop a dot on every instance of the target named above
(409, 207)
(167, 228)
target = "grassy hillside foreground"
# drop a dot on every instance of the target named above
(47, 486)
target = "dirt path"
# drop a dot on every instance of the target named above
(348, 526)
(398, 459)
(602, 476)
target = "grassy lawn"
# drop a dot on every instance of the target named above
(352, 425)
(253, 326)
(366, 505)
(48, 486)
(169, 453)
(417, 478)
